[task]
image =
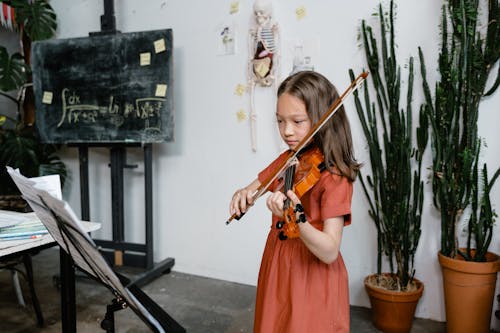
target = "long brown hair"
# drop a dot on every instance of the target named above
(334, 138)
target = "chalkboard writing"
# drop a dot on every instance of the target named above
(105, 88)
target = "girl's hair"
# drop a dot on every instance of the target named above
(334, 138)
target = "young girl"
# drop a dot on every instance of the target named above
(303, 284)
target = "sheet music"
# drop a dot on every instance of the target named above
(49, 183)
(66, 229)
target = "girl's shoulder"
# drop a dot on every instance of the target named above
(333, 178)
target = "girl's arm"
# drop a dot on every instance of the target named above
(324, 244)
(242, 198)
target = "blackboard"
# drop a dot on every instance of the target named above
(113, 88)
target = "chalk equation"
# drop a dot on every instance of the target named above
(75, 112)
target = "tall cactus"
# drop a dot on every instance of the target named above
(469, 51)
(395, 189)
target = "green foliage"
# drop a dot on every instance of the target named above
(21, 149)
(482, 218)
(38, 18)
(394, 190)
(13, 70)
(468, 53)
(19, 144)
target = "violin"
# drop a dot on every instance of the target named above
(302, 144)
(300, 177)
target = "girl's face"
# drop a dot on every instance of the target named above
(293, 120)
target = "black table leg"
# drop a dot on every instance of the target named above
(29, 274)
(68, 302)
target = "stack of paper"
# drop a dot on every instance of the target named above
(20, 226)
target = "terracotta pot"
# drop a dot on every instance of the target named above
(393, 311)
(469, 288)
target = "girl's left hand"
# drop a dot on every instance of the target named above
(276, 200)
(293, 198)
(275, 203)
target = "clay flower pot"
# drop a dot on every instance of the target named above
(393, 311)
(469, 289)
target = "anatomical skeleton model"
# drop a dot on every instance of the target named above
(264, 56)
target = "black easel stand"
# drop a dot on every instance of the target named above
(115, 251)
(142, 255)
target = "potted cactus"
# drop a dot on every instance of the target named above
(394, 189)
(469, 51)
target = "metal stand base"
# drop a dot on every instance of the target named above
(159, 269)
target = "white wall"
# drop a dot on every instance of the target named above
(196, 175)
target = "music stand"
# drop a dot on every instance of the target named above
(64, 226)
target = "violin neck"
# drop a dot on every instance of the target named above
(289, 180)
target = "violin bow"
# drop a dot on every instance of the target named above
(307, 138)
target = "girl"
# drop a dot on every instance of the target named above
(303, 285)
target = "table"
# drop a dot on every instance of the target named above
(25, 247)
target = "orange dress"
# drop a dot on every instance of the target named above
(296, 292)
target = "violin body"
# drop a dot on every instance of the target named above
(300, 178)
(310, 167)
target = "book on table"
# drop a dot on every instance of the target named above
(15, 226)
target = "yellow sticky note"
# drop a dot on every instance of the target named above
(3, 119)
(47, 97)
(235, 7)
(241, 115)
(145, 59)
(160, 45)
(161, 90)
(300, 12)
(240, 89)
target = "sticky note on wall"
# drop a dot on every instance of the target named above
(300, 12)
(234, 7)
(240, 89)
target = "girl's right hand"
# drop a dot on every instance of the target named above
(243, 198)
(240, 201)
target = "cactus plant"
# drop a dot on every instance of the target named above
(394, 189)
(469, 51)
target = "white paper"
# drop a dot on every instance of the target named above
(50, 183)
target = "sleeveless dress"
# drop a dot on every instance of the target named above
(296, 292)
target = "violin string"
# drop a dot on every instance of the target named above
(289, 174)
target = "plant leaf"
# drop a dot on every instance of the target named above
(13, 70)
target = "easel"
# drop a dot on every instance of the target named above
(119, 256)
